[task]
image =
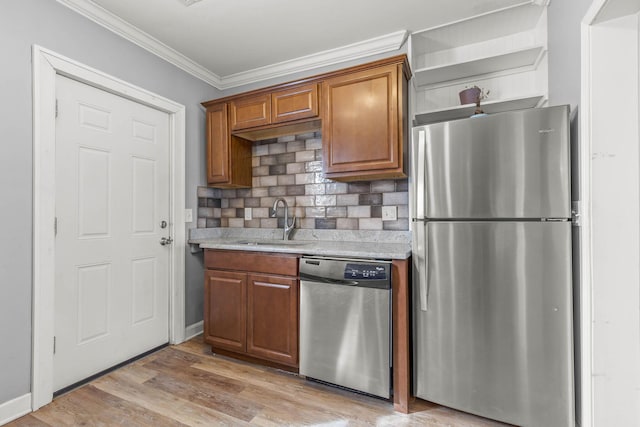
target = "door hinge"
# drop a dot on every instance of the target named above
(576, 213)
(55, 226)
(54, 345)
(56, 108)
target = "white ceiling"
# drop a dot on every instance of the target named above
(233, 42)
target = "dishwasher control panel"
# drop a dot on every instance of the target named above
(365, 272)
(348, 272)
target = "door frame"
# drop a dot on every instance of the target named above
(599, 10)
(46, 65)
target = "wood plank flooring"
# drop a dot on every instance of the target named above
(185, 385)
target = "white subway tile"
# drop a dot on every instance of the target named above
(398, 198)
(359, 212)
(370, 223)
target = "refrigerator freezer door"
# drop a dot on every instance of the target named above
(496, 339)
(508, 165)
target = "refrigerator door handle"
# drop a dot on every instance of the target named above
(422, 253)
(420, 182)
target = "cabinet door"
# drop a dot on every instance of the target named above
(218, 143)
(362, 123)
(225, 310)
(228, 156)
(250, 111)
(272, 328)
(294, 103)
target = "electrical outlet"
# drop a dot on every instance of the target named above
(188, 215)
(389, 213)
(247, 214)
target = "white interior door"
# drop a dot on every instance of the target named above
(112, 195)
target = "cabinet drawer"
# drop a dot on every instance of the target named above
(251, 111)
(295, 103)
(259, 262)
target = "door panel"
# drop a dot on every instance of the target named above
(272, 318)
(218, 168)
(143, 204)
(112, 191)
(225, 296)
(360, 121)
(509, 165)
(496, 337)
(250, 111)
(295, 103)
(94, 198)
(94, 282)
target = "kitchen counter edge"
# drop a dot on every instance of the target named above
(371, 250)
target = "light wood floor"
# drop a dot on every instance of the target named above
(185, 385)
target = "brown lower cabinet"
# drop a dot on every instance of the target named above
(252, 310)
(225, 309)
(272, 318)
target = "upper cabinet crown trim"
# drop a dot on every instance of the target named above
(110, 21)
(318, 78)
(374, 46)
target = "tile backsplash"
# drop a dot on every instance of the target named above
(291, 167)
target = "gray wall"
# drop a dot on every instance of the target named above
(53, 26)
(564, 18)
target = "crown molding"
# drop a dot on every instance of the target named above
(108, 20)
(374, 46)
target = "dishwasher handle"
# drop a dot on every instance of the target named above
(320, 281)
(326, 280)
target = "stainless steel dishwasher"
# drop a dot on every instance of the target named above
(345, 323)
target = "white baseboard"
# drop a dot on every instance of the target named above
(15, 408)
(193, 330)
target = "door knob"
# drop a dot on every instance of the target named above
(166, 241)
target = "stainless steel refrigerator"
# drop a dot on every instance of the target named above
(492, 285)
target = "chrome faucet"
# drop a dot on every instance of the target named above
(287, 227)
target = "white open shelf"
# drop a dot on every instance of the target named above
(489, 26)
(483, 65)
(489, 107)
(503, 52)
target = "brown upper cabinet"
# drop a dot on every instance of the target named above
(364, 124)
(361, 110)
(228, 156)
(298, 102)
(250, 111)
(279, 106)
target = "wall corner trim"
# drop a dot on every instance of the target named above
(15, 408)
(377, 45)
(193, 330)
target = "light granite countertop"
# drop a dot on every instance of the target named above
(342, 243)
